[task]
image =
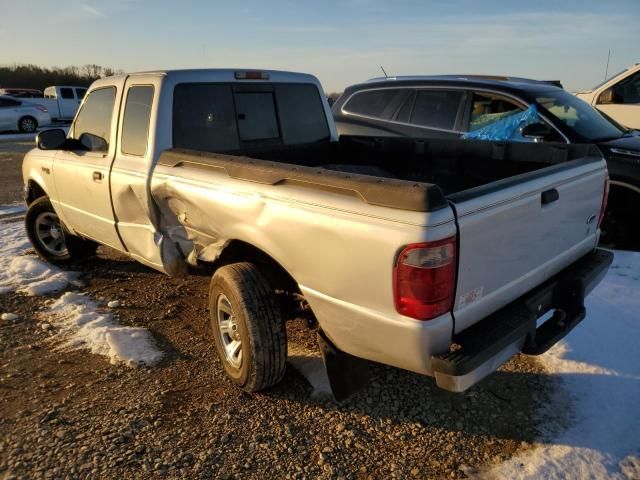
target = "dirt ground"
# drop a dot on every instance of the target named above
(71, 414)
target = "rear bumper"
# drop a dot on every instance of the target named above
(483, 347)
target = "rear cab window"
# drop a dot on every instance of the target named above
(218, 117)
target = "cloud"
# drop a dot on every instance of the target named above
(93, 11)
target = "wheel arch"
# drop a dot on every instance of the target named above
(33, 191)
(237, 250)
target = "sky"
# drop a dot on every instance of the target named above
(340, 41)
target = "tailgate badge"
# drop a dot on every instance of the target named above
(590, 218)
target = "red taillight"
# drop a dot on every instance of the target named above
(42, 108)
(252, 75)
(605, 199)
(424, 279)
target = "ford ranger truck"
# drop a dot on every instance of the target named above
(441, 257)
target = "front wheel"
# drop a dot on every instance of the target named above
(248, 327)
(50, 239)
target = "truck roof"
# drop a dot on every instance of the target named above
(227, 75)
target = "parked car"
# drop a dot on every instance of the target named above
(618, 97)
(461, 107)
(396, 250)
(22, 92)
(20, 115)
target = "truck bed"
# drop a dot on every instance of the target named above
(394, 172)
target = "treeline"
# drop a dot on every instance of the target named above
(33, 76)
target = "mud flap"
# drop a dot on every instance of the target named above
(347, 374)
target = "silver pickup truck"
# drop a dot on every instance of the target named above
(442, 257)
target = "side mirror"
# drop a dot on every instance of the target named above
(607, 97)
(536, 131)
(53, 139)
(93, 143)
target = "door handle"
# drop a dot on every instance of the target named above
(549, 196)
(97, 176)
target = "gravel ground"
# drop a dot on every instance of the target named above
(71, 414)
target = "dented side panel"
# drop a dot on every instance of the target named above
(339, 249)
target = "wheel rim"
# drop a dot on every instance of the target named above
(28, 125)
(50, 234)
(228, 331)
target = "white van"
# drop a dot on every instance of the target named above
(618, 97)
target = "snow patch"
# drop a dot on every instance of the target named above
(12, 209)
(74, 317)
(26, 273)
(599, 365)
(82, 325)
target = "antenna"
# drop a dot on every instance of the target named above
(606, 71)
(385, 73)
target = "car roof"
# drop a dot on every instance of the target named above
(505, 83)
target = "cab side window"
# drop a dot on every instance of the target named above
(135, 123)
(92, 128)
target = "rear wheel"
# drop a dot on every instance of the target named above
(49, 237)
(248, 327)
(27, 124)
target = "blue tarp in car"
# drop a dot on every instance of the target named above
(507, 128)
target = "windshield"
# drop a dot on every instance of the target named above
(579, 116)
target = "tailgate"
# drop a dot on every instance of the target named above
(516, 233)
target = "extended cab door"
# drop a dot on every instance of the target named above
(81, 173)
(132, 168)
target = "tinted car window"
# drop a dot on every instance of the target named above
(371, 103)
(487, 109)
(301, 113)
(204, 118)
(94, 119)
(66, 93)
(135, 124)
(404, 114)
(80, 93)
(7, 102)
(437, 109)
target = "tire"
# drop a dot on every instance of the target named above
(27, 124)
(50, 238)
(243, 308)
